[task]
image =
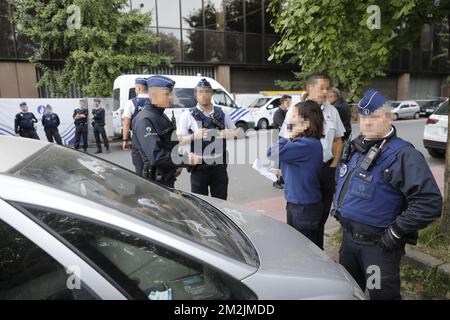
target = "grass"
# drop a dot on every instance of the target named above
(424, 284)
(433, 242)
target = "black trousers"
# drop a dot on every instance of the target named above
(53, 135)
(81, 132)
(30, 133)
(306, 219)
(363, 260)
(100, 131)
(327, 188)
(213, 179)
(137, 161)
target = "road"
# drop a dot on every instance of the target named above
(248, 188)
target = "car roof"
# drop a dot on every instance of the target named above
(16, 150)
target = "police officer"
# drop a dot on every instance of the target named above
(206, 129)
(131, 109)
(98, 123)
(154, 136)
(385, 194)
(51, 122)
(80, 115)
(24, 123)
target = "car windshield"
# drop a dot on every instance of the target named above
(258, 103)
(442, 110)
(395, 104)
(122, 190)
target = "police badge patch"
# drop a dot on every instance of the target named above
(149, 131)
(343, 170)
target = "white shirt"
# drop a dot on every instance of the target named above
(333, 128)
(187, 122)
(129, 107)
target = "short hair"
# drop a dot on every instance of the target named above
(311, 111)
(335, 92)
(312, 78)
(285, 97)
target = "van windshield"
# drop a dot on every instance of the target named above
(258, 103)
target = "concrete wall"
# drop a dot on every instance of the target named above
(18, 80)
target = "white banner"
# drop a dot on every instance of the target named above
(62, 107)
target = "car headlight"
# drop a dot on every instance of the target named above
(357, 292)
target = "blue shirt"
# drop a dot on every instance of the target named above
(301, 163)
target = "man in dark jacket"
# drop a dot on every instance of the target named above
(278, 119)
(24, 123)
(51, 122)
(345, 112)
(98, 123)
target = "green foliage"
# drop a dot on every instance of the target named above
(424, 284)
(332, 36)
(110, 42)
(433, 241)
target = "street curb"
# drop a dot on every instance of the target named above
(426, 261)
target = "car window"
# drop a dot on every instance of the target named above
(276, 103)
(29, 273)
(222, 99)
(442, 110)
(184, 98)
(119, 189)
(132, 93)
(395, 105)
(405, 106)
(258, 103)
(143, 269)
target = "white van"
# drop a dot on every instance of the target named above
(264, 107)
(184, 99)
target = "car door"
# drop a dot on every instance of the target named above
(404, 111)
(139, 267)
(36, 266)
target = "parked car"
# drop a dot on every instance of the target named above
(436, 132)
(429, 107)
(73, 226)
(405, 109)
(264, 107)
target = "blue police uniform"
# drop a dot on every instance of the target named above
(51, 122)
(301, 165)
(139, 104)
(153, 138)
(24, 124)
(385, 194)
(211, 173)
(81, 128)
(98, 123)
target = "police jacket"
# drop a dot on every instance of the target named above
(24, 121)
(278, 118)
(82, 121)
(154, 138)
(399, 189)
(98, 117)
(50, 120)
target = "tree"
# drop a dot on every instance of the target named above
(109, 41)
(343, 37)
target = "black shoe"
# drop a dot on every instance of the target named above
(98, 151)
(278, 185)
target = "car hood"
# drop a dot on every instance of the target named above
(281, 249)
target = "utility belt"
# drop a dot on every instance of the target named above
(80, 124)
(214, 163)
(27, 129)
(365, 233)
(156, 174)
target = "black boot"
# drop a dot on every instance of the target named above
(98, 151)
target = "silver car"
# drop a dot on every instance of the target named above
(405, 109)
(73, 226)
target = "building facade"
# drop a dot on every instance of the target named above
(228, 40)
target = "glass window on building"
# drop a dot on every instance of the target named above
(192, 14)
(146, 6)
(235, 47)
(254, 48)
(234, 13)
(269, 41)
(193, 45)
(214, 14)
(215, 46)
(268, 17)
(253, 14)
(170, 42)
(6, 39)
(4, 8)
(169, 13)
